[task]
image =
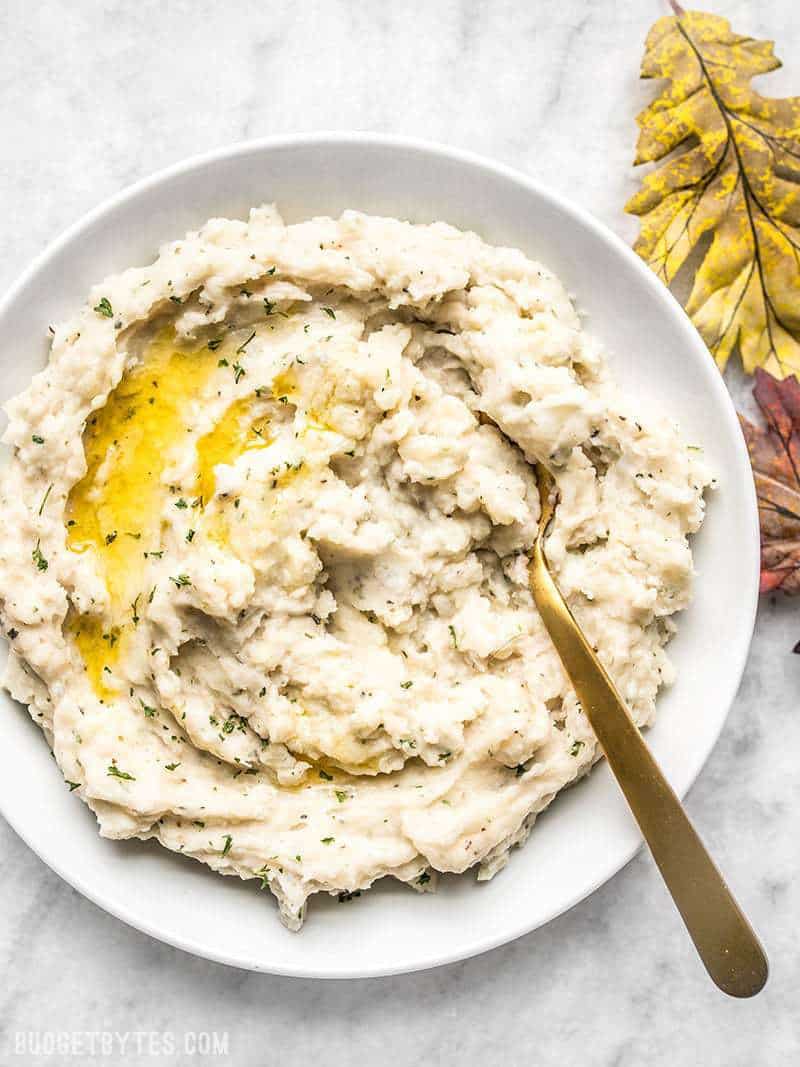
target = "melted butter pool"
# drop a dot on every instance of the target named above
(238, 431)
(115, 510)
(99, 648)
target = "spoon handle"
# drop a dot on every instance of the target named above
(725, 941)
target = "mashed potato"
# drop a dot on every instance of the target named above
(263, 565)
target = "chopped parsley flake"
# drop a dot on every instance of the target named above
(244, 344)
(104, 308)
(406, 685)
(38, 558)
(327, 777)
(214, 343)
(330, 312)
(44, 499)
(228, 843)
(327, 840)
(171, 766)
(576, 747)
(181, 503)
(37, 440)
(453, 637)
(181, 580)
(115, 772)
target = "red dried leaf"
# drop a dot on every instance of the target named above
(775, 457)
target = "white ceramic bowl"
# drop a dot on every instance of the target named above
(588, 834)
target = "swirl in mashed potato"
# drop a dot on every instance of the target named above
(263, 563)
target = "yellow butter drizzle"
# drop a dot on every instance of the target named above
(99, 648)
(235, 433)
(115, 509)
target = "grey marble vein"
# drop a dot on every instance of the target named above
(98, 93)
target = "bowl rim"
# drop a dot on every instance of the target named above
(748, 577)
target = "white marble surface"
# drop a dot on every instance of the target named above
(97, 94)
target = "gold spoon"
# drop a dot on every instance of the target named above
(725, 941)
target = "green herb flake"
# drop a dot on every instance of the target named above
(406, 685)
(44, 499)
(115, 772)
(341, 795)
(330, 312)
(73, 786)
(214, 343)
(171, 766)
(327, 840)
(38, 558)
(453, 637)
(244, 344)
(104, 308)
(181, 503)
(181, 580)
(37, 440)
(327, 777)
(228, 843)
(576, 747)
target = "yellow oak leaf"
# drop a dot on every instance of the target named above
(728, 188)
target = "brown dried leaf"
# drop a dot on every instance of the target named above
(775, 457)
